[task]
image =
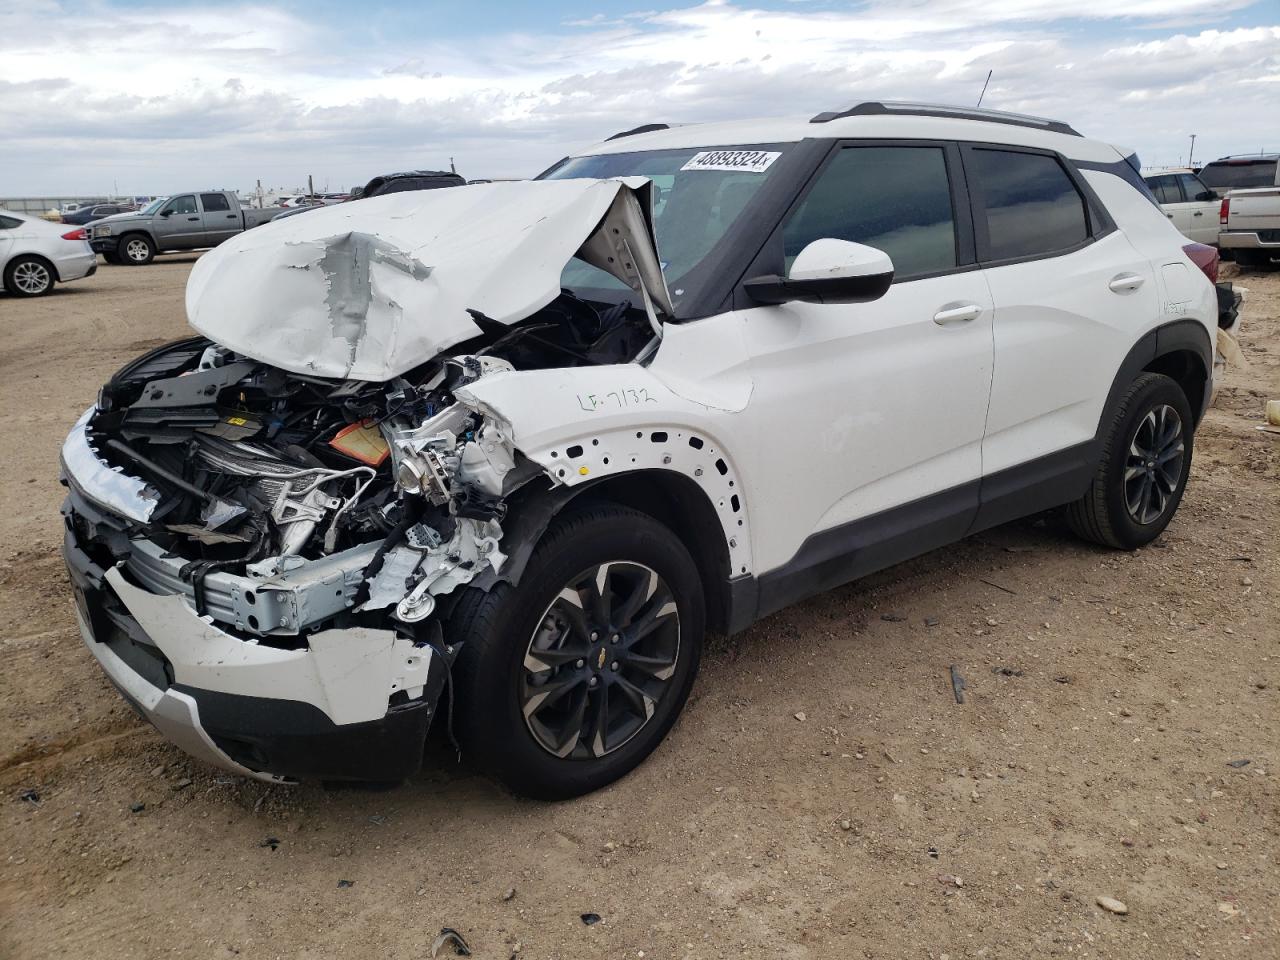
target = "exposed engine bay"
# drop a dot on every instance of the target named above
(282, 503)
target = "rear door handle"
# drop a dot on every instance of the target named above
(961, 313)
(1198, 213)
(1125, 282)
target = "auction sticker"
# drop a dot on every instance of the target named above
(747, 161)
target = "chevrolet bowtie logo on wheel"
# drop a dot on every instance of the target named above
(600, 660)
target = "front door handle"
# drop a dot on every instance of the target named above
(193, 219)
(1198, 213)
(960, 313)
(1125, 282)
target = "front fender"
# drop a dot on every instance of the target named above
(585, 424)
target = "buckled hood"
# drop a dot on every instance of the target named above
(371, 289)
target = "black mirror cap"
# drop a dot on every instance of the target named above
(773, 289)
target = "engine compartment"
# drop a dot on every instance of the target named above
(261, 473)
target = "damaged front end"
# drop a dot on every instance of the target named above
(261, 553)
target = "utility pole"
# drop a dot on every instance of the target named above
(311, 189)
(1191, 155)
(452, 168)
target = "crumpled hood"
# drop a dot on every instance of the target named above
(371, 289)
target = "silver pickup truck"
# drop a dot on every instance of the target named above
(184, 221)
(1249, 217)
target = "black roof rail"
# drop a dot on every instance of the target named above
(643, 128)
(871, 108)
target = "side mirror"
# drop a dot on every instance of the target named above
(166, 213)
(1206, 195)
(828, 271)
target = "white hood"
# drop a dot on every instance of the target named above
(368, 290)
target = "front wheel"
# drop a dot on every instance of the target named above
(567, 681)
(136, 249)
(1146, 460)
(28, 277)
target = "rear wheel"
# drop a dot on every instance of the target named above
(110, 256)
(28, 277)
(1143, 472)
(136, 249)
(570, 679)
(1253, 259)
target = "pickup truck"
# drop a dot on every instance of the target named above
(184, 221)
(1249, 225)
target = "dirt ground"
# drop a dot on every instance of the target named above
(823, 795)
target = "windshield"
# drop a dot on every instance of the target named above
(154, 205)
(698, 193)
(1236, 175)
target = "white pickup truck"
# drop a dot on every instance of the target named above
(1249, 216)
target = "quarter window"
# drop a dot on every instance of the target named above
(9, 223)
(214, 202)
(1032, 208)
(897, 199)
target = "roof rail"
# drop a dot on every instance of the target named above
(872, 108)
(643, 128)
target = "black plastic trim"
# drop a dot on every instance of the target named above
(643, 128)
(871, 108)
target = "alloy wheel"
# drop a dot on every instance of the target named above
(1153, 467)
(600, 661)
(32, 277)
(137, 250)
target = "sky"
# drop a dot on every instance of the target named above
(152, 96)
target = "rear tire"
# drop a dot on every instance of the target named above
(1146, 459)
(560, 692)
(29, 276)
(111, 257)
(1253, 259)
(136, 249)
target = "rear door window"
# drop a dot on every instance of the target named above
(896, 199)
(1025, 203)
(214, 202)
(1165, 188)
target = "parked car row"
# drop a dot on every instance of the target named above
(1232, 203)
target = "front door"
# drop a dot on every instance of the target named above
(1199, 210)
(871, 410)
(179, 225)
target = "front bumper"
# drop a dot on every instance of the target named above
(254, 710)
(1250, 240)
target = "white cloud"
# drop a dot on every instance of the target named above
(196, 97)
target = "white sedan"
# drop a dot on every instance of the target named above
(34, 254)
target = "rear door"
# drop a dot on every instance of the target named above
(179, 225)
(8, 230)
(220, 221)
(1071, 297)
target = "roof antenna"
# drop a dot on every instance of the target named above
(984, 89)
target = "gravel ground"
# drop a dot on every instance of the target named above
(823, 795)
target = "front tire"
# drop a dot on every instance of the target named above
(28, 277)
(568, 680)
(1146, 460)
(136, 249)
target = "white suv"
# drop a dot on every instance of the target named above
(506, 452)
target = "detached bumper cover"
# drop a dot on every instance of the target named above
(355, 704)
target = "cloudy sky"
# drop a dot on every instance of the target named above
(157, 96)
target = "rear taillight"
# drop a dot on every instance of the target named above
(1224, 210)
(1204, 257)
(76, 235)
